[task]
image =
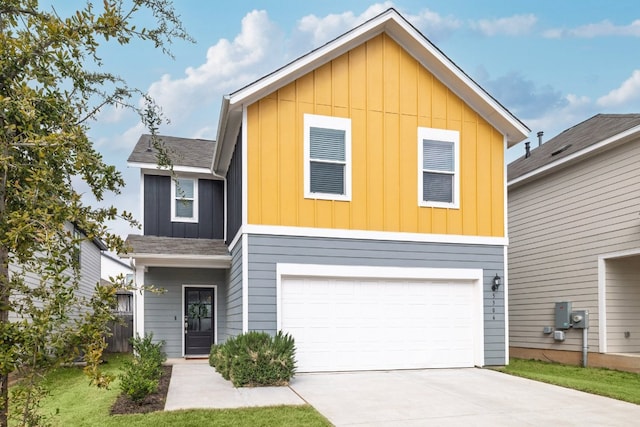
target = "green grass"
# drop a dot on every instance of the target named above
(605, 382)
(74, 402)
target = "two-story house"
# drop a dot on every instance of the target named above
(354, 198)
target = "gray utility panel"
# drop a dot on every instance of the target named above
(563, 315)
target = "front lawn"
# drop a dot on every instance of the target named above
(73, 402)
(605, 382)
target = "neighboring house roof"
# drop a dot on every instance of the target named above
(587, 138)
(163, 251)
(184, 152)
(102, 246)
(399, 29)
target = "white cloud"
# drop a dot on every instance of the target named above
(113, 114)
(574, 110)
(515, 25)
(433, 25)
(598, 29)
(229, 65)
(320, 30)
(313, 31)
(628, 92)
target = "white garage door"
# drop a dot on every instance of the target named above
(367, 324)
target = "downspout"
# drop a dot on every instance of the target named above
(585, 346)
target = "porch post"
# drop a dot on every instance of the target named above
(138, 299)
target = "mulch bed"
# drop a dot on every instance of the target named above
(152, 403)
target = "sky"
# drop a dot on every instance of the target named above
(553, 64)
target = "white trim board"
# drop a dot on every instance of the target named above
(245, 283)
(372, 235)
(181, 261)
(602, 293)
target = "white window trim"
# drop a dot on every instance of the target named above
(447, 136)
(174, 193)
(327, 122)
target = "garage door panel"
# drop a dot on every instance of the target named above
(355, 324)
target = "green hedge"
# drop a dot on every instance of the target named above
(255, 359)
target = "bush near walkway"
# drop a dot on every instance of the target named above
(255, 359)
(141, 375)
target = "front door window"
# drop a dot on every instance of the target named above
(199, 320)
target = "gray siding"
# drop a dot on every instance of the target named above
(157, 210)
(90, 269)
(623, 305)
(163, 311)
(558, 226)
(234, 294)
(265, 251)
(234, 191)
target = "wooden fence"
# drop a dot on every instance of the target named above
(122, 331)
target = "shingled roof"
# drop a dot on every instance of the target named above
(182, 151)
(157, 245)
(573, 140)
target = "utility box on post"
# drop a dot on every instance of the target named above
(563, 315)
(580, 319)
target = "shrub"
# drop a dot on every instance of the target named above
(140, 376)
(135, 384)
(149, 355)
(255, 359)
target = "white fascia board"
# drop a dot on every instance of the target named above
(610, 142)
(223, 120)
(176, 168)
(185, 261)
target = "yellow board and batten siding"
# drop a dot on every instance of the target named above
(387, 95)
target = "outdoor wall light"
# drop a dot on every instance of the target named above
(496, 283)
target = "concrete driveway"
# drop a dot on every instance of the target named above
(455, 397)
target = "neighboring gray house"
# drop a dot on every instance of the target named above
(355, 198)
(89, 254)
(574, 227)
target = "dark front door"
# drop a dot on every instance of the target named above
(199, 318)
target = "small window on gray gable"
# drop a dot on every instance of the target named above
(184, 195)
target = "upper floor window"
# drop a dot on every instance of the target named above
(439, 168)
(327, 157)
(184, 200)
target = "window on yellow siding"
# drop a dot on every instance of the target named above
(327, 157)
(439, 172)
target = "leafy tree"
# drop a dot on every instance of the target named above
(52, 85)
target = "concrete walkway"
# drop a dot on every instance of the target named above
(194, 384)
